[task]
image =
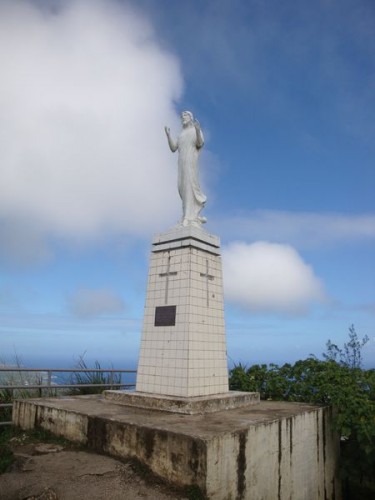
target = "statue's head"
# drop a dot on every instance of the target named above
(186, 117)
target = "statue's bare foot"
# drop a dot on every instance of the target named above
(193, 222)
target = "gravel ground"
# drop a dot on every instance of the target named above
(44, 471)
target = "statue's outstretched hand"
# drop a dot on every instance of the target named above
(167, 130)
(198, 132)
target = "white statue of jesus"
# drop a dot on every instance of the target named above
(189, 143)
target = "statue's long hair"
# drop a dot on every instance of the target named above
(188, 113)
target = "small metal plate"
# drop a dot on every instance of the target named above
(165, 316)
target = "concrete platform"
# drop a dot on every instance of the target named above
(198, 405)
(269, 451)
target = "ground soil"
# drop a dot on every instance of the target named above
(45, 471)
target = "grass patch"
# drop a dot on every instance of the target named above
(6, 454)
(193, 492)
(6, 458)
(92, 377)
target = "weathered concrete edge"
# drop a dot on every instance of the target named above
(178, 458)
(270, 456)
(289, 457)
(187, 406)
(36, 414)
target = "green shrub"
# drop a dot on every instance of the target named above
(6, 454)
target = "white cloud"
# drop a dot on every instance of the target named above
(269, 277)
(84, 94)
(88, 303)
(22, 243)
(299, 228)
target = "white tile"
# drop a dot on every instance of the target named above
(172, 357)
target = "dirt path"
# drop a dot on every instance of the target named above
(52, 472)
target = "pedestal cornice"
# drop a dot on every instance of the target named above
(180, 237)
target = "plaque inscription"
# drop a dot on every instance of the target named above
(165, 316)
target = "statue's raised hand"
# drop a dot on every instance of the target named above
(173, 146)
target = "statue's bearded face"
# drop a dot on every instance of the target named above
(186, 117)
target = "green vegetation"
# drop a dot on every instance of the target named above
(6, 454)
(337, 380)
(93, 377)
(6, 397)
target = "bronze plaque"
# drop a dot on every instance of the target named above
(165, 316)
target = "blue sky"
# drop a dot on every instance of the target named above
(285, 94)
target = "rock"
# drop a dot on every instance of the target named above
(48, 448)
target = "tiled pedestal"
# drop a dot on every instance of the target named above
(183, 347)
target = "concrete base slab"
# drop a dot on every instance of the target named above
(273, 450)
(187, 406)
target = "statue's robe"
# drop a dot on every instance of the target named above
(192, 197)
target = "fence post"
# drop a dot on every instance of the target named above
(49, 379)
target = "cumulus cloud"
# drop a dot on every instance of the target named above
(89, 303)
(269, 277)
(299, 229)
(85, 91)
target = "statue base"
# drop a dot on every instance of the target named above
(187, 406)
(183, 346)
